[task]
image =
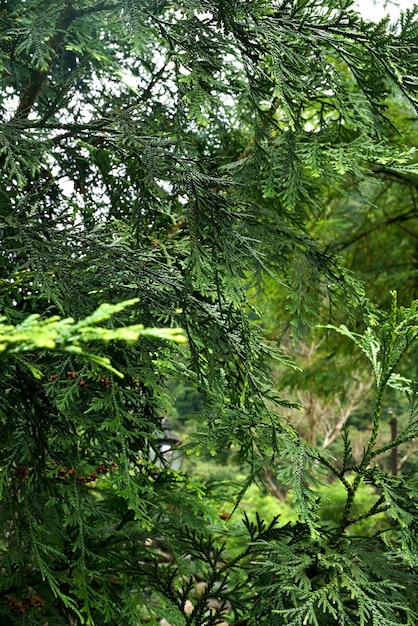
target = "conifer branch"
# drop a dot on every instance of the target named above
(28, 98)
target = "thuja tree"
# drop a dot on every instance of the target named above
(171, 155)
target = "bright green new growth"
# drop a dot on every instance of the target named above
(66, 335)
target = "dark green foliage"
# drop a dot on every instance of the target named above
(174, 156)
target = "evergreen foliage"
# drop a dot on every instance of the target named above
(164, 158)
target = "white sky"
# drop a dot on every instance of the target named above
(376, 9)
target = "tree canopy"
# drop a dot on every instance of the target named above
(165, 166)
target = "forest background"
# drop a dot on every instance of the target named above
(208, 284)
